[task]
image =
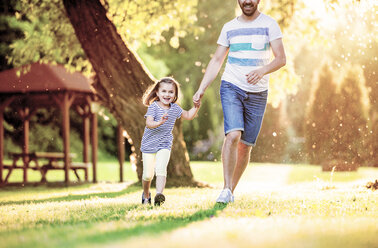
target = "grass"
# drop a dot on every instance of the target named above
(106, 171)
(275, 205)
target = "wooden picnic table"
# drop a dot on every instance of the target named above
(43, 162)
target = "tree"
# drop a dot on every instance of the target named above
(351, 128)
(8, 33)
(320, 140)
(120, 77)
(343, 41)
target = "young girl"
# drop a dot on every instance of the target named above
(157, 139)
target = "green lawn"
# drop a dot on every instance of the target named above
(275, 206)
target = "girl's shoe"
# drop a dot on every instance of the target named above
(159, 199)
(146, 200)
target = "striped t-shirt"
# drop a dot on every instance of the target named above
(155, 139)
(249, 49)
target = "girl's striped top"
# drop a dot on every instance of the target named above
(161, 137)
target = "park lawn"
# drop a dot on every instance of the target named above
(106, 171)
(275, 206)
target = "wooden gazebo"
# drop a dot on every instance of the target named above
(44, 85)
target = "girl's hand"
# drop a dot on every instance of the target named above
(197, 98)
(164, 118)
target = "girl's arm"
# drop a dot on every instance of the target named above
(190, 114)
(150, 123)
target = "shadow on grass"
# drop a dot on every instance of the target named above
(73, 197)
(163, 224)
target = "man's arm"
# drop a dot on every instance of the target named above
(279, 60)
(211, 72)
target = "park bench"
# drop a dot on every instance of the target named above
(59, 165)
(49, 161)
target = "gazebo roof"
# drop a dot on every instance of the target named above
(43, 78)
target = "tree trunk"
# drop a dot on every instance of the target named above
(121, 80)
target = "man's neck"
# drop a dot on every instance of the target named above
(244, 18)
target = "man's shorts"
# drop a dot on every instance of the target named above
(243, 111)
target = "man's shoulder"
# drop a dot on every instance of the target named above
(230, 23)
(266, 18)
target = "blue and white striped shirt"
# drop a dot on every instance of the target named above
(249, 44)
(161, 137)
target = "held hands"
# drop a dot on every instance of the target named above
(197, 98)
(254, 76)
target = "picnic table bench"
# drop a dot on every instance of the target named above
(43, 162)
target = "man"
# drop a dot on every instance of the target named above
(248, 40)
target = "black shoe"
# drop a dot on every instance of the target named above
(146, 201)
(159, 199)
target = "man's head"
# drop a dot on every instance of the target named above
(248, 7)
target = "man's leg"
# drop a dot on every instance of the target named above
(229, 157)
(244, 152)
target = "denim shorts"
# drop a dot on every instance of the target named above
(243, 110)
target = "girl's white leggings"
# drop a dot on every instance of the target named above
(158, 161)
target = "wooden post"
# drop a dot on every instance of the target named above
(85, 114)
(86, 130)
(121, 150)
(66, 137)
(1, 144)
(64, 105)
(24, 113)
(86, 138)
(94, 146)
(3, 105)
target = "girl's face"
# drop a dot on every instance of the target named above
(166, 93)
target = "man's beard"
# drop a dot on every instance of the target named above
(247, 13)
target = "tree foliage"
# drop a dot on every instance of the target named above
(49, 36)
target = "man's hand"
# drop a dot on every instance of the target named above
(254, 76)
(197, 98)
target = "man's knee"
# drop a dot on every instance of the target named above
(233, 137)
(244, 149)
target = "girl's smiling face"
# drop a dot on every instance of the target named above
(166, 93)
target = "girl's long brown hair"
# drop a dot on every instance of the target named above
(150, 95)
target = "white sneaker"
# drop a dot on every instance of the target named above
(225, 196)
